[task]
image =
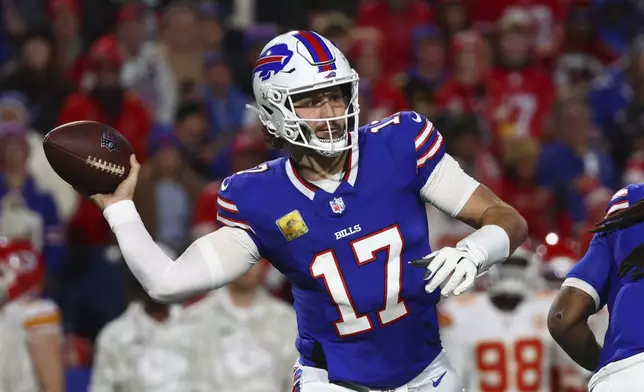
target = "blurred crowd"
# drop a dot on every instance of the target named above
(541, 100)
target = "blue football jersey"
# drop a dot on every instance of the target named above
(362, 310)
(598, 271)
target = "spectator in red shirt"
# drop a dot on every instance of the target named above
(395, 20)
(535, 204)
(467, 89)
(523, 93)
(107, 101)
(204, 219)
(384, 97)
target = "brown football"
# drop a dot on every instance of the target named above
(92, 157)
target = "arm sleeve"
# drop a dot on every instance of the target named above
(210, 262)
(448, 188)
(591, 274)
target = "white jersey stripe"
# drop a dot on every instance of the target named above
(424, 135)
(617, 206)
(420, 162)
(226, 205)
(620, 193)
(234, 223)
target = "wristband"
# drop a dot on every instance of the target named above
(488, 245)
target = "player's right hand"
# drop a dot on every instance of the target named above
(125, 190)
(454, 267)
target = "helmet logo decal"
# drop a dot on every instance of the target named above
(272, 61)
(320, 52)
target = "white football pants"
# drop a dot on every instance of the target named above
(626, 375)
(439, 376)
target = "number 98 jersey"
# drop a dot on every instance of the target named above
(496, 351)
(362, 311)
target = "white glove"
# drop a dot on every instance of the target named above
(458, 263)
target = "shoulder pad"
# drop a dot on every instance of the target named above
(238, 190)
(235, 185)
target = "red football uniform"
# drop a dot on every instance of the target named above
(22, 267)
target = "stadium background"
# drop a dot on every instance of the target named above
(541, 100)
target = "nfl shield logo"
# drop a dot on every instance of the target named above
(337, 205)
(109, 140)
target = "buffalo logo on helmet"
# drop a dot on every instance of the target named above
(109, 140)
(272, 61)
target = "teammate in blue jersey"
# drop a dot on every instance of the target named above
(608, 275)
(342, 218)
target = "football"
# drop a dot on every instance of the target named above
(92, 157)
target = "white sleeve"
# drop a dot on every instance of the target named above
(448, 188)
(210, 262)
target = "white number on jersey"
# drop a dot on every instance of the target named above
(326, 266)
(376, 126)
(526, 105)
(496, 374)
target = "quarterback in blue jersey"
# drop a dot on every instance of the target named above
(608, 275)
(343, 218)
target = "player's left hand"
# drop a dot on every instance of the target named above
(456, 264)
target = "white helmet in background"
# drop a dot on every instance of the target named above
(299, 62)
(518, 275)
(18, 222)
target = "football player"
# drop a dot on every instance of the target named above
(16, 370)
(559, 257)
(342, 218)
(150, 347)
(498, 339)
(609, 274)
(253, 346)
(38, 320)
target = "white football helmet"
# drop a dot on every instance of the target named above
(299, 62)
(518, 275)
